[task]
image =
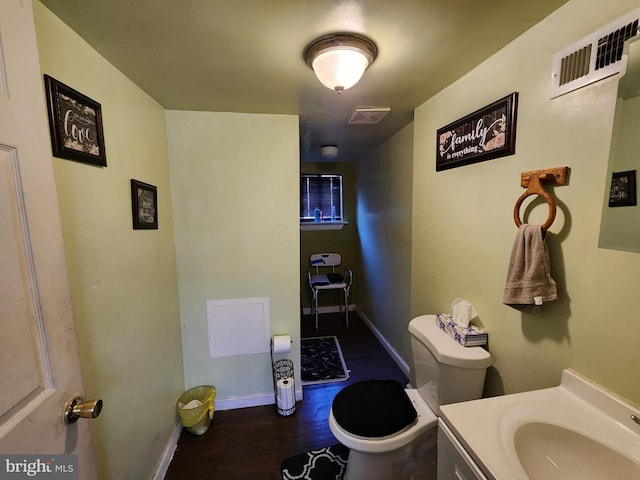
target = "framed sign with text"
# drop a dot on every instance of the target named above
(623, 189)
(482, 135)
(75, 123)
(144, 205)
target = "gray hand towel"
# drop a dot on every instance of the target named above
(529, 281)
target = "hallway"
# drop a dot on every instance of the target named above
(250, 443)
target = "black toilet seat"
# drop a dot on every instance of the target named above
(373, 408)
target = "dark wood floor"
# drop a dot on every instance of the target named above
(250, 443)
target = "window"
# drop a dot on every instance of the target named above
(322, 192)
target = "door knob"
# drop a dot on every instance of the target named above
(78, 408)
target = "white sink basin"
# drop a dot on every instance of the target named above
(573, 431)
(551, 452)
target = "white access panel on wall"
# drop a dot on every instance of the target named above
(238, 326)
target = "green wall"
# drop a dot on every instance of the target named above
(384, 238)
(237, 236)
(342, 241)
(123, 281)
(463, 230)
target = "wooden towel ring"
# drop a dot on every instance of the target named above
(543, 193)
(533, 182)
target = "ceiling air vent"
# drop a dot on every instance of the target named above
(593, 58)
(368, 115)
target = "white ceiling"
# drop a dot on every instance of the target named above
(246, 55)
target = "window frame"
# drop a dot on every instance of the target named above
(307, 217)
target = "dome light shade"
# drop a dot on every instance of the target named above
(329, 151)
(339, 69)
(340, 60)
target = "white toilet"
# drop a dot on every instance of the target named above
(392, 435)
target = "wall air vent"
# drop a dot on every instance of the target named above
(593, 58)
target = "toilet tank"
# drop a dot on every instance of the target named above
(445, 371)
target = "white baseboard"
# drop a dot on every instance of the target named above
(327, 309)
(167, 454)
(256, 400)
(387, 346)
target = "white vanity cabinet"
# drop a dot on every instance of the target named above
(454, 463)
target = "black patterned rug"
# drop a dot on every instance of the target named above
(322, 361)
(324, 464)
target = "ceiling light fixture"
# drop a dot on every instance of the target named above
(339, 60)
(329, 151)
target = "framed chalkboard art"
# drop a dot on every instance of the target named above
(482, 135)
(75, 123)
(622, 192)
(144, 205)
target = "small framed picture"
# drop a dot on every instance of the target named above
(623, 189)
(144, 205)
(75, 124)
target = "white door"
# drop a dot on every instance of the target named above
(39, 362)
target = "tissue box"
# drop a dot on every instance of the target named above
(468, 336)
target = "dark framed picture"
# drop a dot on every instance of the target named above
(144, 205)
(623, 189)
(482, 135)
(75, 123)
